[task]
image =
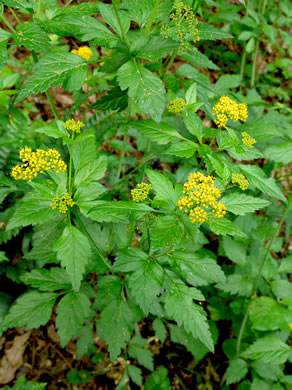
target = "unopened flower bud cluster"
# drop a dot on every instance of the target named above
(227, 108)
(84, 52)
(140, 193)
(38, 162)
(239, 179)
(62, 203)
(247, 140)
(72, 125)
(201, 196)
(177, 105)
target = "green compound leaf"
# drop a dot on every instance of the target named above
(158, 380)
(208, 32)
(224, 226)
(162, 186)
(31, 311)
(281, 153)
(269, 349)
(93, 171)
(135, 374)
(237, 284)
(234, 250)
(159, 329)
(33, 37)
(52, 70)
(73, 250)
(236, 371)
(256, 178)
(266, 314)
(137, 351)
(47, 280)
(121, 319)
(19, 4)
(198, 271)
(145, 284)
(145, 88)
(156, 47)
(161, 133)
(179, 305)
(130, 259)
(199, 59)
(72, 312)
(166, 232)
(241, 204)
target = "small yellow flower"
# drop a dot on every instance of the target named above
(290, 326)
(177, 105)
(72, 125)
(227, 108)
(62, 203)
(247, 140)
(201, 195)
(238, 178)
(140, 194)
(84, 52)
(37, 162)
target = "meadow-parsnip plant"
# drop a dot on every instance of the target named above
(135, 198)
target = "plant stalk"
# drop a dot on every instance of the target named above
(172, 58)
(15, 16)
(124, 35)
(92, 241)
(152, 17)
(255, 284)
(70, 167)
(124, 146)
(242, 64)
(12, 29)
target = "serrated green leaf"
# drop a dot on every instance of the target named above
(182, 149)
(237, 284)
(32, 212)
(286, 265)
(33, 37)
(73, 250)
(52, 70)
(281, 153)
(162, 186)
(145, 88)
(85, 342)
(47, 280)
(19, 4)
(130, 259)
(156, 47)
(121, 319)
(135, 374)
(159, 329)
(226, 82)
(145, 283)
(108, 13)
(72, 312)
(194, 124)
(236, 371)
(166, 232)
(109, 289)
(31, 310)
(256, 178)
(270, 349)
(199, 59)
(3, 257)
(282, 289)
(86, 195)
(83, 27)
(266, 314)
(84, 152)
(137, 351)
(179, 305)
(198, 271)
(224, 226)
(161, 133)
(241, 204)
(208, 32)
(52, 131)
(119, 211)
(158, 380)
(234, 250)
(91, 172)
(116, 100)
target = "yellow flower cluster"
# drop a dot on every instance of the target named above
(72, 125)
(200, 191)
(62, 203)
(139, 194)
(247, 140)
(238, 178)
(227, 108)
(183, 23)
(177, 105)
(84, 52)
(37, 162)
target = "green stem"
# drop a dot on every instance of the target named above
(124, 35)
(69, 2)
(124, 146)
(255, 284)
(14, 14)
(38, 9)
(172, 58)
(105, 261)
(152, 16)
(242, 64)
(2, 17)
(148, 146)
(70, 167)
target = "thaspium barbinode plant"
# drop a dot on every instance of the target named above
(114, 241)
